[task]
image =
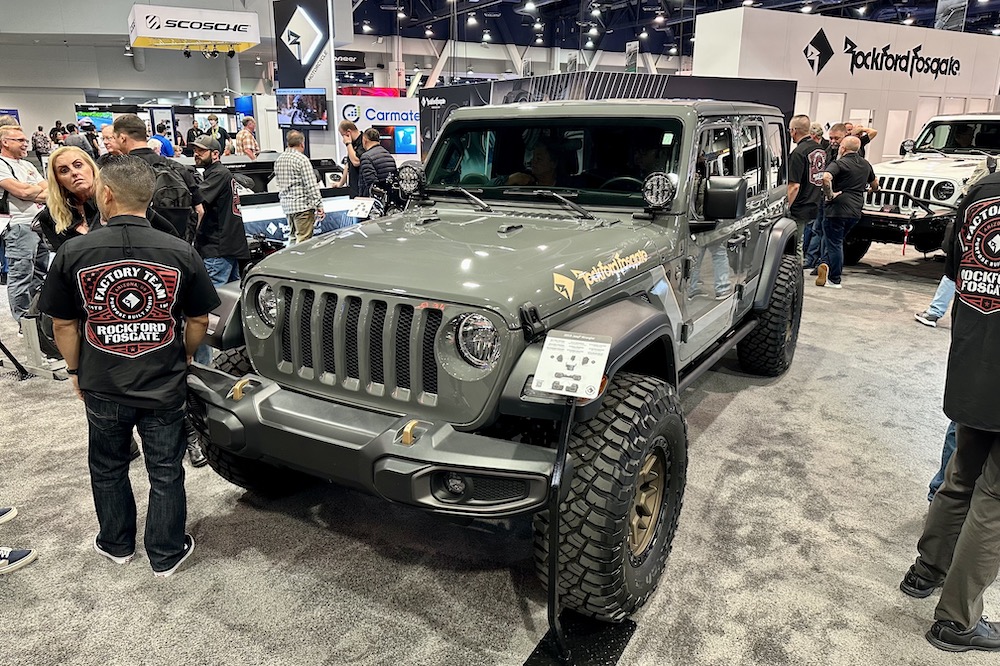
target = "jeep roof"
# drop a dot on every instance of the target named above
(617, 108)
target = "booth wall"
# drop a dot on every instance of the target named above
(818, 53)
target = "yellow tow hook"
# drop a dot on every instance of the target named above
(408, 437)
(236, 393)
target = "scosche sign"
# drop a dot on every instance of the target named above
(154, 26)
(880, 59)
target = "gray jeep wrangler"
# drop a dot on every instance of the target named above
(396, 356)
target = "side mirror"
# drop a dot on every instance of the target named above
(907, 147)
(725, 198)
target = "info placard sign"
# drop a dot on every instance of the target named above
(572, 364)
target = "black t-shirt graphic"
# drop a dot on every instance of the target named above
(805, 167)
(130, 287)
(851, 175)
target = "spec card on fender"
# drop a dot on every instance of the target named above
(129, 305)
(978, 283)
(572, 364)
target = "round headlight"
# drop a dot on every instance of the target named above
(478, 341)
(411, 177)
(944, 190)
(267, 304)
(658, 190)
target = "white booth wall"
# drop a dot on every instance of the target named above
(757, 43)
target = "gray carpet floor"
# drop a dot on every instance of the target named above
(805, 499)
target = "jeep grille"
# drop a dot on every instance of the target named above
(918, 187)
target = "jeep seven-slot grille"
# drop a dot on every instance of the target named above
(364, 338)
(918, 187)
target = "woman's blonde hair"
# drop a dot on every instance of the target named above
(58, 198)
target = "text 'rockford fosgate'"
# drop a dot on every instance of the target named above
(911, 62)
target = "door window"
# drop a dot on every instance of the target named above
(715, 158)
(775, 141)
(753, 157)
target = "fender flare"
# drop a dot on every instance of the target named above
(225, 323)
(633, 325)
(781, 241)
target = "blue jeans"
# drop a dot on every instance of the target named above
(3, 256)
(945, 292)
(835, 229)
(162, 432)
(28, 260)
(815, 250)
(720, 270)
(221, 270)
(946, 453)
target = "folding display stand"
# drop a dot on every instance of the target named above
(36, 365)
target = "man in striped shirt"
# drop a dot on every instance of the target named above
(298, 191)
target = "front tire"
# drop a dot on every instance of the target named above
(619, 519)
(233, 361)
(768, 349)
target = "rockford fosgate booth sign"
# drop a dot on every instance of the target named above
(152, 26)
(885, 58)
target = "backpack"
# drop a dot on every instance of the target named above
(171, 196)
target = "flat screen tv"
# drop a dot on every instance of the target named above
(302, 108)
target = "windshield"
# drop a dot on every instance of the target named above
(961, 136)
(602, 160)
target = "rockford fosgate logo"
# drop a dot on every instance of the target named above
(909, 62)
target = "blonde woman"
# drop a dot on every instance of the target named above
(71, 210)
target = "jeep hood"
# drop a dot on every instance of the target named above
(491, 260)
(935, 166)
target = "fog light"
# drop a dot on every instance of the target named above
(455, 484)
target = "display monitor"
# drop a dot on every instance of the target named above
(302, 108)
(398, 139)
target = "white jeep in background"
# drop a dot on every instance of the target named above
(921, 189)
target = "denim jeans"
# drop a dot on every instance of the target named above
(946, 453)
(3, 256)
(835, 229)
(221, 270)
(162, 432)
(815, 251)
(720, 270)
(945, 292)
(28, 260)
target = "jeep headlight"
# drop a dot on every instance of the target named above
(478, 341)
(944, 190)
(266, 302)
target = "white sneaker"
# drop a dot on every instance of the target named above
(833, 285)
(114, 558)
(188, 549)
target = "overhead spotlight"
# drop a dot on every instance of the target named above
(258, 62)
(643, 34)
(469, 71)
(206, 54)
(908, 20)
(366, 27)
(593, 32)
(428, 32)
(486, 36)
(472, 19)
(596, 11)
(121, 99)
(673, 50)
(187, 52)
(538, 40)
(692, 40)
(529, 6)
(748, 3)
(806, 9)
(231, 53)
(996, 31)
(659, 18)
(589, 44)
(538, 25)
(862, 10)
(215, 52)
(400, 13)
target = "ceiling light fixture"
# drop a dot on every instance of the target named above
(596, 11)
(486, 36)
(428, 32)
(659, 18)
(908, 20)
(472, 19)
(538, 40)
(673, 50)
(806, 9)
(589, 44)
(862, 9)
(593, 32)
(643, 34)
(366, 27)
(469, 71)
(538, 25)
(996, 31)
(187, 51)
(128, 52)
(400, 13)
(259, 62)
(748, 3)
(231, 53)
(529, 6)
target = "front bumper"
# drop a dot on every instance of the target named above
(366, 450)
(884, 227)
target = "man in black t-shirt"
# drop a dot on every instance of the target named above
(959, 550)
(805, 166)
(129, 306)
(845, 182)
(351, 176)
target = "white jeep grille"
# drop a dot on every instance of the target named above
(920, 188)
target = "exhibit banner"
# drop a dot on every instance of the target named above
(396, 118)
(437, 103)
(154, 26)
(348, 60)
(632, 57)
(950, 15)
(301, 28)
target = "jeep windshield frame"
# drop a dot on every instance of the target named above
(595, 161)
(961, 137)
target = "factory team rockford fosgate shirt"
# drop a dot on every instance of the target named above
(972, 386)
(130, 287)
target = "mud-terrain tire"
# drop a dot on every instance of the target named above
(619, 519)
(769, 348)
(855, 249)
(233, 361)
(253, 475)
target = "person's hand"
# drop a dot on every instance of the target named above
(76, 386)
(832, 196)
(319, 213)
(520, 179)
(346, 138)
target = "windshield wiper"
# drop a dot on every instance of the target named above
(582, 212)
(928, 149)
(483, 206)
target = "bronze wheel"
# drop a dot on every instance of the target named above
(645, 513)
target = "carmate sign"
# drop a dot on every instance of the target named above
(154, 26)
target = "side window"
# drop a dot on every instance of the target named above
(754, 162)
(778, 159)
(715, 158)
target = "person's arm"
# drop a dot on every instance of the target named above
(67, 334)
(194, 332)
(866, 131)
(368, 176)
(828, 186)
(793, 191)
(873, 181)
(313, 186)
(796, 167)
(36, 192)
(352, 154)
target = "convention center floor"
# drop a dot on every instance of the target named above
(806, 495)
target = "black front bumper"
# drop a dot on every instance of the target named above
(925, 230)
(366, 450)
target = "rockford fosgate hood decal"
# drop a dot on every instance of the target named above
(618, 265)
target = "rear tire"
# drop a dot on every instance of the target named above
(619, 519)
(768, 349)
(855, 250)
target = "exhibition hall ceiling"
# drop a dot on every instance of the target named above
(609, 24)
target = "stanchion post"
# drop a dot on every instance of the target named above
(555, 485)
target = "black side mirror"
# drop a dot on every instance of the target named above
(725, 198)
